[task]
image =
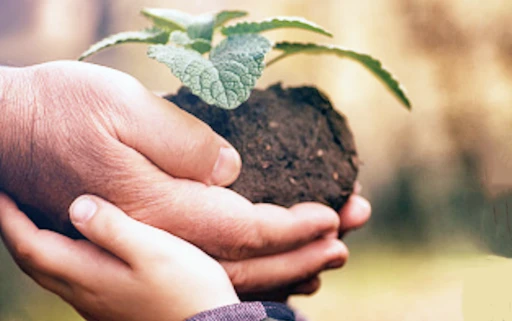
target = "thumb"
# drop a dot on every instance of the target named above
(177, 142)
(111, 229)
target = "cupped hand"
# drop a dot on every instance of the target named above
(72, 128)
(130, 271)
(354, 214)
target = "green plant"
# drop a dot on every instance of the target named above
(227, 77)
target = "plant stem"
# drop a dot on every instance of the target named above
(276, 59)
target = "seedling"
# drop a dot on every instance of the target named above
(228, 75)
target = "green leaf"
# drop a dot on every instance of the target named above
(153, 36)
(197, 27)
(372, 64)
(168, 19)
(274, 23)
(181, 38)
(202, 27)
(225, 16)
(227, 79)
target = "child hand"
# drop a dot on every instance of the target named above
(132, 271)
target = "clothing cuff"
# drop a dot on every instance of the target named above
(247, 311)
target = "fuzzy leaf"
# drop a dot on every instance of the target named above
(274, 23)
(200, 26)
(152, 36)
(225, 16)
(181, 38)
(226, 80)
(168, 19)
(372, 64)
(196, 26)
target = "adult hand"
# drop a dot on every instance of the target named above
(130, 271)
(72, 128)
(354, 214)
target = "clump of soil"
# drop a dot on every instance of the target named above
(295, 147)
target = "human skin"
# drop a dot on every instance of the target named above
(126, 270)
(72, 128)
(143, 274)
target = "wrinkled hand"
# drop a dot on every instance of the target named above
(131, 271)
(73, 128)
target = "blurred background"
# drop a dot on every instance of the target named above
(439, 177)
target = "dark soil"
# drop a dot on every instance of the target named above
(295, 147)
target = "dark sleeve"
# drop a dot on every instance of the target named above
(248, 311)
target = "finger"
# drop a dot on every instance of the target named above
(306, 287)
(111, 229)
(274, 272)
(85, 315)
(221, 222)
(44, 253)
(354, 214)
(19, 234)
(276, 229)
(179, 143)
(265, 229)
(52, 284)
(357, 187)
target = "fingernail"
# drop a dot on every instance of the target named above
(83, 209)
(227, 167)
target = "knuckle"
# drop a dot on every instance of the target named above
(159, 260)
(34, 256)
(142, 201)
(248, 242)
(24, 252)
(238, 275)
(252, 244)
(112, 233)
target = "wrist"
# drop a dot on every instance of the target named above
(222, 298)
(249, 311)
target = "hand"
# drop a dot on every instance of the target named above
(72, 128)
(354, 214)
(132, 271)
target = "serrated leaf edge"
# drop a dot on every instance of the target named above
(163, 23)
(115, 39)
(229, 104)
(305, 25)
(400, 92)
(236, 14)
